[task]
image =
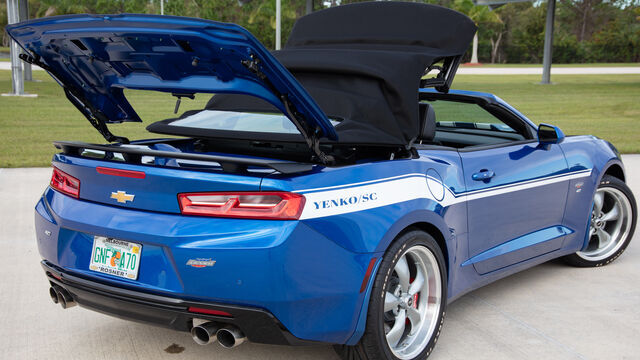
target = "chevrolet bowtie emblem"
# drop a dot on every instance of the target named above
(122, 197)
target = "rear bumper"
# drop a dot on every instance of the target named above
(290, 270)
(258, 325)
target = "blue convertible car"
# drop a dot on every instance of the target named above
(336, 191)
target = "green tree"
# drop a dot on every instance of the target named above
(479, 15)
(586, 17)
(586, 30)
(3, 23)
(618, 40)
(524, 26)
(262, 19)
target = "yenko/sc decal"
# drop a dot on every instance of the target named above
(346, 201)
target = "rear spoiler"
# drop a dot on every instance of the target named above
(228, 163)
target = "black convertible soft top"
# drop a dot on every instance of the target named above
(363, 63)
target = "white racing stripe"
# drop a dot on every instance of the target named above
(365, 195)
(499, 190)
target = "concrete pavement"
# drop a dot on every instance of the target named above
(552, 311)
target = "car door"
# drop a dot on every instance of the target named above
(516, 196)
(516, 188)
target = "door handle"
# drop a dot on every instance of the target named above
(483, 175)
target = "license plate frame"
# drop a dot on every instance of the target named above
(115, 257)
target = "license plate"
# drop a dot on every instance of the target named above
(115, 257)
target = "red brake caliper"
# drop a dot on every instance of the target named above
(416, 296)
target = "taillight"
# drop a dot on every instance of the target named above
(65, 183)
(253, 205)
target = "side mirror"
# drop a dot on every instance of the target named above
(549, 134)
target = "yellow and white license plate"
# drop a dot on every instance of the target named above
(115, 257)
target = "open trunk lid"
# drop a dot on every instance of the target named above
(95, 57)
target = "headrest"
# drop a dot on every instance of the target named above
(428, 122)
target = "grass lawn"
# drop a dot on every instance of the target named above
(602, 105)
(29, 125)
(555, 65)
(607, 106)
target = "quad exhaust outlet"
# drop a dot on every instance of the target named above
(205, 333)
(230, 337)
(210, 332)
(61, 296)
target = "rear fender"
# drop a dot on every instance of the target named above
(415, 218)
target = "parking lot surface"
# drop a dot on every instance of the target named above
(551, 311)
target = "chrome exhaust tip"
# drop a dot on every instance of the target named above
(205, 333)
(230, 337)
(53, 294)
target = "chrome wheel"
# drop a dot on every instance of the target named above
(611, 220)
(412, 302)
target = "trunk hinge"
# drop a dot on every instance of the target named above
(95, 117)
(311, 136)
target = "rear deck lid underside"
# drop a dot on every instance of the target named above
(95, 57)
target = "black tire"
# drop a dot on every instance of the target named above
(615, 183)
(373, 344)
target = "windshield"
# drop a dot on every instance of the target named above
(240, 121)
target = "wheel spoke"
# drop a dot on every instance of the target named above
(603, 238)
(414, 317)
(417, 283)
(592, 231)
(394, 335)
(598, 199)
(402, 269)
(613, 214)
(391, 302)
